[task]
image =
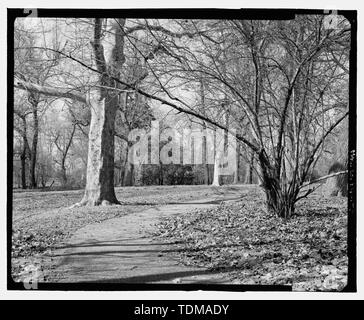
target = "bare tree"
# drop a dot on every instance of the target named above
(62, 139)
(286, 82)
(37, 67)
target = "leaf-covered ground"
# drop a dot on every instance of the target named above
(43, 220)
(308, 251)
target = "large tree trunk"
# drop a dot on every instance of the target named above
(250, 170)
(24, 153)
(161, 173)
(33, 151)
(100, 163)
(64, 152)
(236, 172)
(206, 174)
(64, 174)
(204, 138)
(205, 158)
(216, 180)
(23, 164)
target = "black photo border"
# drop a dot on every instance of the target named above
(202, 13)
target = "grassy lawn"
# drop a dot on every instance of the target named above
(43, 220)
(308, 251)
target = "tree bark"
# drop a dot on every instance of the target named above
(250, 170)
(216, 180)
(161, 173)
(64, 174)
(64, 152)
(204, 157)
(23, 164)
(236, 173)
(100, 164)
(33, 151)
(204, 138)
(100, 168)
(49, 91)
(104, 104)
(23, 155)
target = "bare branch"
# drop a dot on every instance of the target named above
(49, 91)
(323, 178)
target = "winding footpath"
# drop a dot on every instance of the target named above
(122, 250)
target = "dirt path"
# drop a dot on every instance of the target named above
(122, 250)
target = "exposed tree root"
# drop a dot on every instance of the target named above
(93, 203)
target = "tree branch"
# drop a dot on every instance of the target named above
(324, 178)
(50, 91)
(160, 29)
(251, 145)
(324, 137)
(121, 136)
